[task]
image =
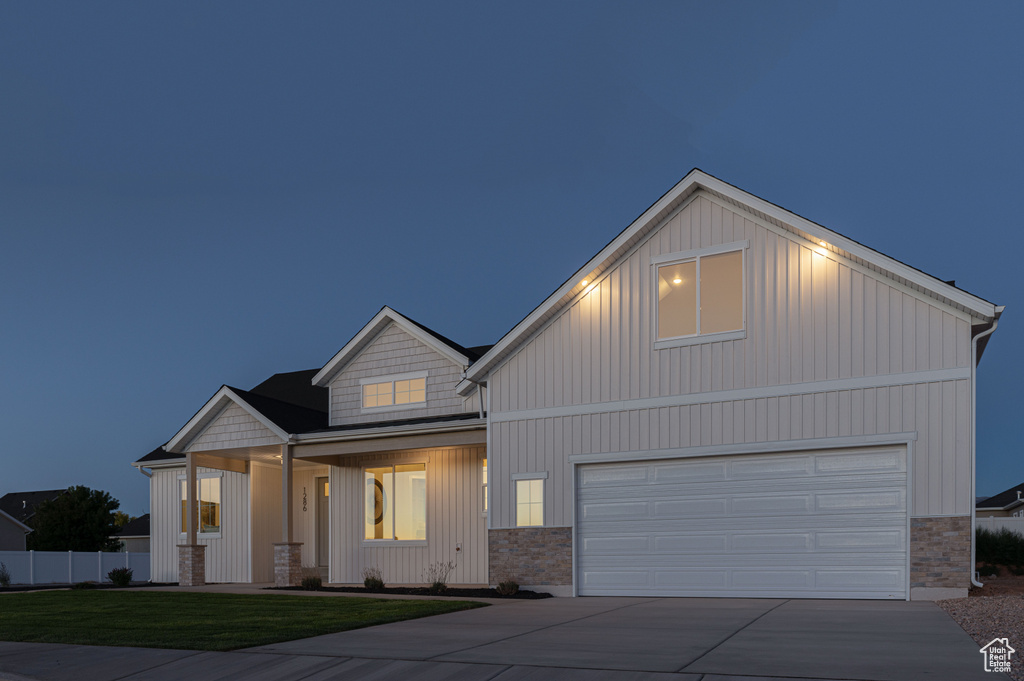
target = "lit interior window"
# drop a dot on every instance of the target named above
(701, 296)
(529, 503)
(396, 502)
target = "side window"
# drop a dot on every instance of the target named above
(483, 485)
(699, 294)
(529, 502)
(208, 503)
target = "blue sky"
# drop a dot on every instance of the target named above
(194, 194)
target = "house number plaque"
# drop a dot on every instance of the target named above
(303, 499)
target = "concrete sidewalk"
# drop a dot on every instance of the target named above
(611, 639)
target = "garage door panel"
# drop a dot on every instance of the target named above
(772, 467)
(844, 502)
(745, 488)
(689, 472)
(818, 524)
(881, 461)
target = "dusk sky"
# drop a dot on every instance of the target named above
(194, 194)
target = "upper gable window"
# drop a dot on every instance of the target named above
(405, 391)
(700, 296)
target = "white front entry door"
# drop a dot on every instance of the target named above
(821, 524)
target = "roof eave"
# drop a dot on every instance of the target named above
(369, 331)
(694, 181)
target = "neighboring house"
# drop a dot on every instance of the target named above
(727, 400)
(1005, 504)
(12, 533)
(22, 505)
(134, 535)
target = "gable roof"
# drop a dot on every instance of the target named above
(22, 505)
(135, 528)
(1004, 500)
(11, 519)
(694, 181)
(294, 387)
(444, 346)
(158, 454)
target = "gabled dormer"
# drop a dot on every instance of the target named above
(396, 369)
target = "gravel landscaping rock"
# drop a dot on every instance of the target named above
(987, 617)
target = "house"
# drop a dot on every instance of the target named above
(12, 533)
(1005, 504)
(22, 505)
(134, 535)
(727, 400)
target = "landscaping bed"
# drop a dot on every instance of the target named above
(421, 591)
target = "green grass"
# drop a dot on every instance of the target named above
(195, 621)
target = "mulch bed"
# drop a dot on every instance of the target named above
(421, 591)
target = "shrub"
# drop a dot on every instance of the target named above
(373, 579)
(121, 576)
(508, 582)
(5, 575)
(437, 575)
(312, 583)
(1001, 547)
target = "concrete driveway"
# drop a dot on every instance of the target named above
(611, 639)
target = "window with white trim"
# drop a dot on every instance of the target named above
(208, 503)
(483, 485)
(699, 295)
(394, 392)
(529, 502)
(396, 502)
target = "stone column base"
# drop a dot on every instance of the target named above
(191, 564)
(287, 563)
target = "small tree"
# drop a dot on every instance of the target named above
(80, 520)
(121, 519)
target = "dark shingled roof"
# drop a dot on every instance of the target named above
(135, 528)
(421, 421)
(291, 418)
(294, 387)
(22, 505)
(159, 454)
(1002, 499)
(290, 400)
(473, 354)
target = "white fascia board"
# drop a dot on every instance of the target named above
(464, 387)
(200, 422)
(17, 522)
(890, 265)
(387, 431)
(694, 181)
(592, 268)
(372, 328)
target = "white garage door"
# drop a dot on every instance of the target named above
(812, 524)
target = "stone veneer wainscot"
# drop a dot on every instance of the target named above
(538, 556)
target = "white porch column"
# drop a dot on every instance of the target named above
(191, 554)
(287, 553)
(191, 505)
(286, 493)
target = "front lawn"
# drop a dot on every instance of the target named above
(195, 621)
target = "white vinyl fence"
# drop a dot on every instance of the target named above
(69, 567)
(996, 524)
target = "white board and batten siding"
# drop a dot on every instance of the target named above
(454, 516)
(806, 524)
(831, 350)
(393, 352)
(227, 554)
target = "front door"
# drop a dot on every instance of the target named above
(322, 524)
